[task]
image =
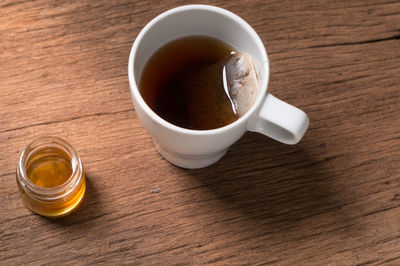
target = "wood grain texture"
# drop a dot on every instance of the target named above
(332, 199)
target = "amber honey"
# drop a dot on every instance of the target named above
(51, 178)
(49, 167)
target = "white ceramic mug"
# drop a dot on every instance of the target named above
(199, 148)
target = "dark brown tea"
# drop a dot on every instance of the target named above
(183, 83)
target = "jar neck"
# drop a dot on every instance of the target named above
(49, 194)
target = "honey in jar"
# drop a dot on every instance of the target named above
(50, 177)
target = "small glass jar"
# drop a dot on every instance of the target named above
(50, 177)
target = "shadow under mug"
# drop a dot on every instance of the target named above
(200, 148)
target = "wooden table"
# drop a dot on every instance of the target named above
(332, 199)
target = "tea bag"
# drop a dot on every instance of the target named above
(219, 94)
(240, 81)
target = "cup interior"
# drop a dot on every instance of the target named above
(203, 20)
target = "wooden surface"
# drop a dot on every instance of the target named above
(332, 199)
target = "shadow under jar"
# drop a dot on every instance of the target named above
(50, 177)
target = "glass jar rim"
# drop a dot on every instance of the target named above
(49, 193)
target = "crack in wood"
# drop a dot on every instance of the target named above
(66, 120)
(391, 38)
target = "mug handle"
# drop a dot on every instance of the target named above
(280, 121)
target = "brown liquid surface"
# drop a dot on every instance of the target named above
(182, 82)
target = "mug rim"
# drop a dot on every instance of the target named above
(133, 82)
